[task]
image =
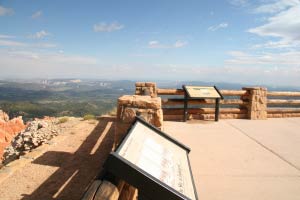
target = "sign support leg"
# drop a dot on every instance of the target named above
(217, 109)
(142, 197)
(185, 108)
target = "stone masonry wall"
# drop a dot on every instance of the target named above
(146, 88)
(257, 102)
(130, 106)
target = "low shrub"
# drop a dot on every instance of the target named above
(62, 120)
(89, 117)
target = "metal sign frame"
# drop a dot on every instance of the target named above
(187, 96)
(148, 186)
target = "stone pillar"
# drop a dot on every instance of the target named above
(147, 88)
(130, 106)
(257, 102)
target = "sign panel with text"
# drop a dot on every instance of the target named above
(202, 92)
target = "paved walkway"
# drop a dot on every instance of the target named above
(243, 159)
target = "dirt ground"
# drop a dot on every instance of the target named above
(64, 171)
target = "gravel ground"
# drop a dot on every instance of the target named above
(68, 166)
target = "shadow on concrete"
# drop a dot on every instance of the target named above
(76, 171)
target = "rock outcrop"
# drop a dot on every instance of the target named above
(8, 129)
(36, 133)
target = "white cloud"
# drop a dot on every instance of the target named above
(179, 44)
(39, 35)
(219, 26)
(37, 14)
(6, 36)
(32, 64)
(239, 2)
(157, 45)
(281, 44)
(6, 11)
(283, 25)
(265, 68)
(41, 64)
(142, 55)
(11, 43)
(104, 27)
(13, 56)
(44, 45)
(284, 59)
(237, 53)
(153, 43)
(23, 54)
(277, 6)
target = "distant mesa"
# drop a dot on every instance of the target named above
(75, 81)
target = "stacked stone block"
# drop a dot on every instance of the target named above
(257, 102)
(130, 106)
(146, 88)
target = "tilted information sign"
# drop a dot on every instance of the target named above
(154, 159)
(202, 92)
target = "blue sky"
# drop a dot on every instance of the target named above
(250, 42)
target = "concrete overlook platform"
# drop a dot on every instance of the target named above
(231, 159)
(243, 159)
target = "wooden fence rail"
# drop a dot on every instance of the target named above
(249, 102)
(179, 111)
(175, 102)
(283, 94)
(287, 106)
(235, 105)
(283, 102)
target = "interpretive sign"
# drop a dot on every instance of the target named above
(201, 92)
(153, 162)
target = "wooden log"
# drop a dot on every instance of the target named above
(170, 92)
(127, 192)
(178, 111)
(204, 117)
(233, 92)
(233, 102)
(222, 116)
(173, 117)
(287, 94)
(283, 115)
(120, 185)
(181, 92)
(107, 191)
(282, 101)
(283, 110)
(175, 102)
(90, 193)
